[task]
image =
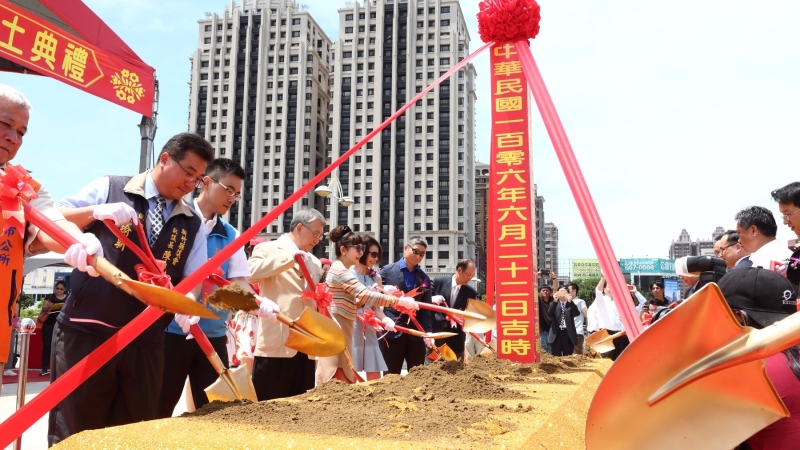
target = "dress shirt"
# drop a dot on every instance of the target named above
(237, 264)
(409, 277)
(608, 314)
(771, 251)
(454, 292)
(96, 193)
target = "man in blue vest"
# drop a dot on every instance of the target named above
(221, 188)
(126, 389)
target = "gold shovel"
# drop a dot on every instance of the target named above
(478, 316)
(311, 333)
(717, 411)
(156, 296)
(602, 342)
(232, 384)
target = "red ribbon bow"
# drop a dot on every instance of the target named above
(215, 279)
(152, 270)
(16, 186)
(322, 295)
(369, 318)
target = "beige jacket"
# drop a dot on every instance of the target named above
(273, 267)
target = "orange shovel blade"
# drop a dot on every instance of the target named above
(718, 411)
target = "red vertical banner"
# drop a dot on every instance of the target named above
(513, 212)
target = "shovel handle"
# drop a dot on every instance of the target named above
(60, 235)
(206, 347)
(306, 274)
(454, 312)
(409, 331)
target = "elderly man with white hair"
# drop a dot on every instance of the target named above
(18, 240)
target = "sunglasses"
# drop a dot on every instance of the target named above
(420, 253)
(359, 248)
(374, 254)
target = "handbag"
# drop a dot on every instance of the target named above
(44, 313)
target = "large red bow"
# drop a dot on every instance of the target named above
(368, 318)
(322, 295)
(16, 186)
(152, 270)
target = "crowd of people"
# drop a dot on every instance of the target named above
(146, 378)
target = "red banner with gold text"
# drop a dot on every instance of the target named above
(40, 46)
(513, 215)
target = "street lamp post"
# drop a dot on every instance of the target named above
(147, 131)
(334, 191)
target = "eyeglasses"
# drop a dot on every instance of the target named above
(317, 236)
(420, 253)
(231, 192)
(374, 254)
(722, 249)
(787, 216)
(189, 177)
(359, 248)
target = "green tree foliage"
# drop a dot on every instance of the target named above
(25, 301)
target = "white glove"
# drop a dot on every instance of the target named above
(407, 302)
(267, 309)
(430, 342)
(375, 287)
(185, 322)
(388, 324)
(438, 300)
(120, 213)
(389, 289)
(77, 254)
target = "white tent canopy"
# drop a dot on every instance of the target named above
(43, 260)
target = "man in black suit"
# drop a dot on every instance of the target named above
(406, 274)
(562, 312)
(453, 292)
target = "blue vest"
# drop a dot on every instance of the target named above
(221, 235)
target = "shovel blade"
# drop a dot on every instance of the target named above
(600, 341)
(718, 411)
(167, 300)
(475, 325)
(233, 384)
(447, 353)
(315, 335)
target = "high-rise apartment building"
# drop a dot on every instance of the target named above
(259, 94)
(550, 247)
(417, 176)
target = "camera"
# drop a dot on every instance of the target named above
(545, 272)
(708, 268)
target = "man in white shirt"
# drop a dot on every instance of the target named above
(757, 229)
(788, 198)
(221, 188)
(573, 289)
(608, 317)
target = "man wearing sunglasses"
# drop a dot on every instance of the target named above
(221, 188)
(407, 274)
(126, 389)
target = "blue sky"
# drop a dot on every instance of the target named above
(680, 113)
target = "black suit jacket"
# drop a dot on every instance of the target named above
(444, 286)
(392, 275)
(553, 313)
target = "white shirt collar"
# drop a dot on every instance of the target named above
(150, 189)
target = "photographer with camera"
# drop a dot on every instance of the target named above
(545, 297)
(603, 314)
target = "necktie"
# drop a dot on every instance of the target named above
(156, 218)
(453, 295)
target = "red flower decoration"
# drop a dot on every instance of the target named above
(322, 295)
(508, 20)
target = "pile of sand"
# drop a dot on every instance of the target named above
(488, 403)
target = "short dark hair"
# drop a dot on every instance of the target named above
(574, 286)
(343, 236)
(369, 241)
(63, 283)
(731, 237)
(789, 194)
(220, 167)
(759, 216)
(464, 264)
(545, 287)
(656, 283)
(417, 240)
(178, 145)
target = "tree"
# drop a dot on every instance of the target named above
(25, 301)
